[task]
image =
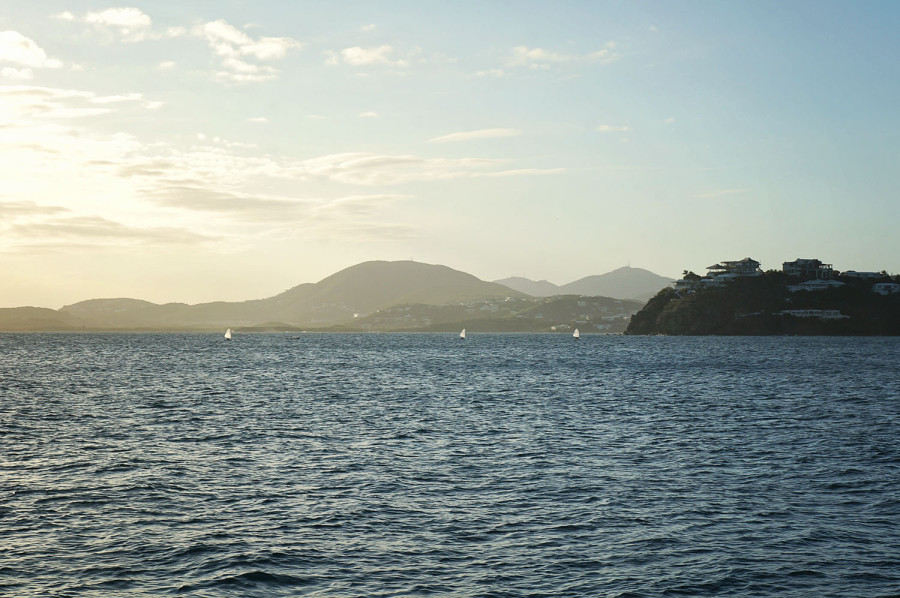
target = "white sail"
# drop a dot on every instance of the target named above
(462, 334)
(228, 334)
(576, 334)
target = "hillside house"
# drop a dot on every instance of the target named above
(886, 288)
(736, 269)
(822, 314)
(814, 285)
(808, 269)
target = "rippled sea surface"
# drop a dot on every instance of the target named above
(416, 465)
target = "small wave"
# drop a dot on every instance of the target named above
(261, 581)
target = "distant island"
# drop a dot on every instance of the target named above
(805, 297)
(372, 296)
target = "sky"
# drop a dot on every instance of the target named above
(202, 150)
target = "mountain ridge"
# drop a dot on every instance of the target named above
(336, 299)
(622, 283)
(345, 297)
(535, 288)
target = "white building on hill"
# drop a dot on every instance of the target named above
(815, 285)
(855, 274)
(745, 267)
(886, 288)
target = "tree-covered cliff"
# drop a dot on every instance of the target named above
(753, 305)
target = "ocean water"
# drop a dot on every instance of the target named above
(423, 465)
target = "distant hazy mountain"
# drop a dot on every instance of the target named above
(36, 318)
(540, 288)
(623, 283)
(134, 313)
(435, 293)
(370, 286)
(358, 290)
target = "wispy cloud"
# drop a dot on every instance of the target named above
(372, 169)
(239, 71)
(25, 101)
(527, 172)
(14, 74)
(386, 170)
(25, 54)
(493, 73)
(11, 210)
(218, 166)
(541, 58)
(122, 24)
(229, 41)
(367, 231)
(120, 188)
(235, 48)
(243, 205)
(241, 57)
(479, 134)
(126, 194)
(536, 57)
(368, 115)
(354, 216)
(357, 218)
(95, 230)
(217, 163)
(613, 128)
(125, 19)
(360, 205)
(360, 57)
(114, 99)
(59, 154)
(265, 208)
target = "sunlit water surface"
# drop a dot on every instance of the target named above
(413, 465)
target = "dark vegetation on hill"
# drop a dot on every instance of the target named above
(749, 306)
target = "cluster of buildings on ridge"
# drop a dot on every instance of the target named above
(811, 274)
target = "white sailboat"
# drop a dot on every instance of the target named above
(576, 335)
(462, 334)
(228, 334)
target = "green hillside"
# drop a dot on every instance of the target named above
(762, 305)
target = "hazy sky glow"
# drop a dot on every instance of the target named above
(205, 150)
